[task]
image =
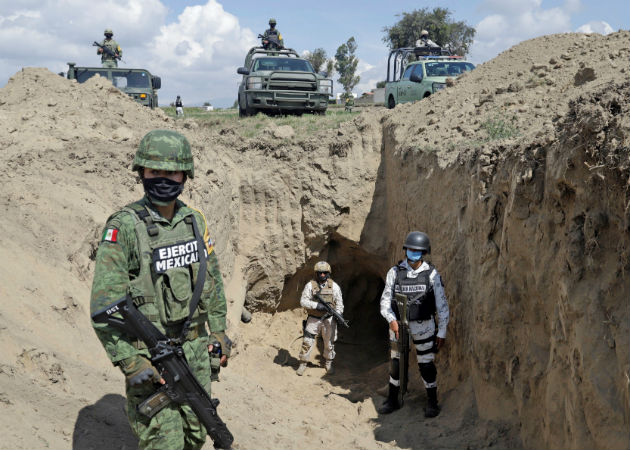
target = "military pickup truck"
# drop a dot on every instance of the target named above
(279, 81)
(138, 84)
(421, 78)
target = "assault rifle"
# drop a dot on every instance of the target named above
(332, 312)
(107, 50)
(272, 42)
(167, 356)
(403, 346)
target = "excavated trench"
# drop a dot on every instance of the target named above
(363, 345)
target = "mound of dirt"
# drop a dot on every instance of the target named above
(519, 172)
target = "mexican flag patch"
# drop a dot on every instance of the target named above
(110, 235)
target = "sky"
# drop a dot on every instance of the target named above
(196, 46)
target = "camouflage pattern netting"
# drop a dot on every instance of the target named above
(164, 150)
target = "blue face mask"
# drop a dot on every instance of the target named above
(414, 255)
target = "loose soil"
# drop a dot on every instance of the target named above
(519, 172)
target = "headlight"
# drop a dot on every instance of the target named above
(325, 87)
(143, 96)
(254, 83)
(438, 86)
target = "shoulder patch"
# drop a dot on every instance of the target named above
(110, 235)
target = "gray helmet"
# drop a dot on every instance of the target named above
(272, 21)
(417, 240)
(108, 31)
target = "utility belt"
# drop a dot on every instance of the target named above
(194, 332)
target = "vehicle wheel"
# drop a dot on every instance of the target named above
(426, 94)
(391, 103)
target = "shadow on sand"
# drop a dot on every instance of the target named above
(104, 425)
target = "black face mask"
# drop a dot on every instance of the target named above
(162, 190)
(322, 276)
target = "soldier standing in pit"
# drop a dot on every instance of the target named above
(106, 59)
(148, 250)
(179, 106)
(272, 31)
(424, 40)
(422, 285)
(318, 320)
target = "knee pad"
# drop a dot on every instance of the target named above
(428, 372)
(394, 368)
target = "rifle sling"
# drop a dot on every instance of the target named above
(201, 278)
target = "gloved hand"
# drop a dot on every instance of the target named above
(320, 307)
(226, 345)
(139, 370)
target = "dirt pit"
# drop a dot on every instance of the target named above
(529, 230)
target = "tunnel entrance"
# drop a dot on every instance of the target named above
(361, 349)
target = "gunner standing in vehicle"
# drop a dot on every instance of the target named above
(108, 60)
(271, 36)
(424, 40)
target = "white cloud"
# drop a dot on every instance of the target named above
(513, 21)
(595, 26)
(197, 55)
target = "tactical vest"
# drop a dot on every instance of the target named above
(325, 293)
(419, 293)
(162, 290)
(113, 46)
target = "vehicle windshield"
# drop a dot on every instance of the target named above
(447, 68)
(83, 75)
(286, 64)
(127, 79)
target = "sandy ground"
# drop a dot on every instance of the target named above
(537, 352)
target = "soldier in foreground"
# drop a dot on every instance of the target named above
(319, 320)
(109, 59)
(272, 38)
(421, 284)
(152, 251)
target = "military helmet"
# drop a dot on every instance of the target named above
(108, 31)
(424, 33)
(417, 240)
(164, 150)
(272, 21)
(322, 266)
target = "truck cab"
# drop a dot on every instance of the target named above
(408, 82)
(282, 82)
(138, 84)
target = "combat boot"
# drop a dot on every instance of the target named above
(300, 370)
(391, 404)
(432, 409)
(329, 368)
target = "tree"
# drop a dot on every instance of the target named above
(346, 64)
(330, 67)
(380, 84)
(317, 58)
(443, 30)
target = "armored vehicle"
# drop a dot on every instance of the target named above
(423, 77)
(282, 82)
(138, 84)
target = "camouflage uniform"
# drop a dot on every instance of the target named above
(124, 265)
(273, 31)
(108, 60)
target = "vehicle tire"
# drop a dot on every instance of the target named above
(426, 94)
(391, 103)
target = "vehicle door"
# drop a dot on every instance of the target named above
(416, 88)
(404, 85)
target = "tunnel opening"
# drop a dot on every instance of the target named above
(361, 349)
